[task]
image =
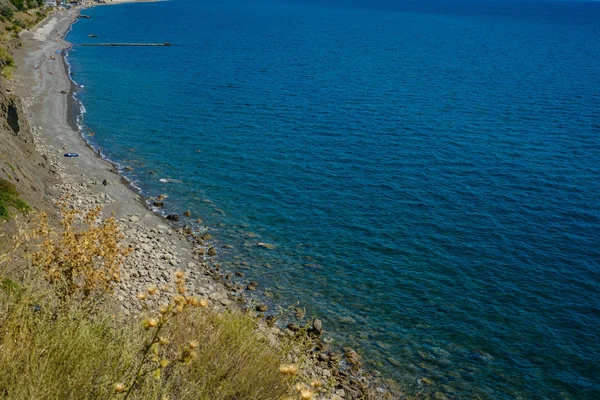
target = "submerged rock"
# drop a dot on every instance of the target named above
(317, 327)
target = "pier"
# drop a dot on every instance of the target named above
(127, 44)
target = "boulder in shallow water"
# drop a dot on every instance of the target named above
(173, 217)
(267, 245)
(425, 381)
(317, 327)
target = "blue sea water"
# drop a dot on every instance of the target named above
(429, 171)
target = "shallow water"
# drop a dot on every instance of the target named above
(428, 172)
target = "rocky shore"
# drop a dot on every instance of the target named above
(159, 247)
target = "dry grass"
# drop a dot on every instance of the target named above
(49, 354)
(56, 346)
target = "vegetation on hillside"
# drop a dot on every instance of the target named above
(61, 335)
(9, 200)
(16, 15)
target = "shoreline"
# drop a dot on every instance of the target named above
(81, 176)
(160, 247)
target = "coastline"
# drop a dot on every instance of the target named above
(42, 82)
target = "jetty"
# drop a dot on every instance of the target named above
(127, 44)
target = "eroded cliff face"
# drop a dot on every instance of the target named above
(20, 163)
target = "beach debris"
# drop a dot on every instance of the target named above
(63, 91)
(106, 182)
(71, 155)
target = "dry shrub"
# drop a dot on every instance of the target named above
(84, 258)
(55, 346)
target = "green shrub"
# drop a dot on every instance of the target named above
(19, 4)
(6, 12)
(9, 197)
(6, 59)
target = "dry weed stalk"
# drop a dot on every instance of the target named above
(156, 355)
(84, 258)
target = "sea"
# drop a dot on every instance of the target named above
(423, 176)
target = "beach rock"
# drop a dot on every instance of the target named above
(425, 381)
(267, 245)
(212, 252)
(159, 204)
(252, 286)
(173, 217)
(317, 327)
(352, 356)
(293, 327)
(394, 362)
(261, 308)
(270, 319)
